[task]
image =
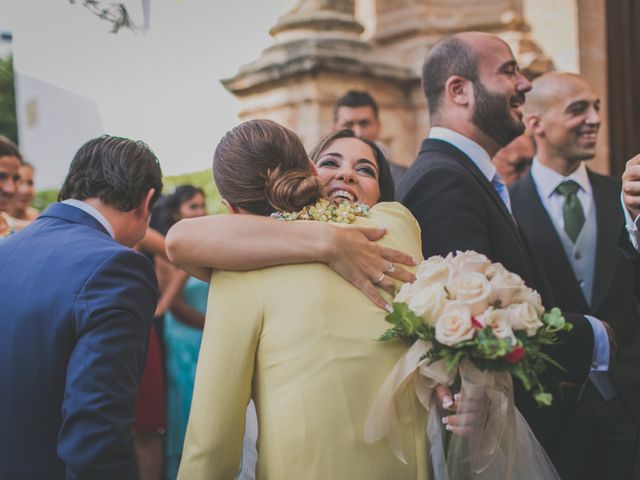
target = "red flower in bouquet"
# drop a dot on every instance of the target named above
(515, 355)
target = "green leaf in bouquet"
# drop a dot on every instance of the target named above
(407, 323)
(454, 360)
(389, 335)
(547, 336)
(555, 322)
(550, 360)
(521, 374)
(490, 346)
(543, 399)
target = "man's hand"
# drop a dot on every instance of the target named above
(631, 186)
(368, 266)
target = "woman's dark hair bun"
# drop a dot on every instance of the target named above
(291, 190)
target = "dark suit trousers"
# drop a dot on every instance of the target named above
(601, 439)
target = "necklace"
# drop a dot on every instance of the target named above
(325, 211)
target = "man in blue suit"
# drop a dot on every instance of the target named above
(76, 305)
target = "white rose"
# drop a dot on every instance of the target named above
(429, 303)
(469, 261)
(433, 270)
(526, 295)
(454, 325)
(504, 285)
(471, 289)
(500, 323)
(494, 269)
(524, 317)
(407, 290)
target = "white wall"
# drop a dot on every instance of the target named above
(554, 26)
(52, 124)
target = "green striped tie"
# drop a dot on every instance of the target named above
(572, 209)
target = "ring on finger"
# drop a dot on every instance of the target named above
(379, 279)
(391, 269)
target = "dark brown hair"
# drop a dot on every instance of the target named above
(116, 170)
(262, 167)
(355, 99)
(166, 211)
(449, 56)
(9, 149)
(385, 180)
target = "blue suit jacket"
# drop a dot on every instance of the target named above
(75, 313)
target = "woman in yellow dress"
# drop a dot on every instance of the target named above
(298, 339)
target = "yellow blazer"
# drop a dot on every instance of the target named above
(300, 341)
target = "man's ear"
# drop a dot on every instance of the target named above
(230, 207)
(534, 124)
(143, 210)
(458, 89)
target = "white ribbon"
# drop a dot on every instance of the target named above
(382, 420)
(498, 443)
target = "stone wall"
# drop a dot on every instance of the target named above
(319, 53)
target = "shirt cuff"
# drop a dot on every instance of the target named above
(631, 226)
(601, 348)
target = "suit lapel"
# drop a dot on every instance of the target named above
(460, 157)
(543, 237)
(609, 219)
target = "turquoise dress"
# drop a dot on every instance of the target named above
(182, 344)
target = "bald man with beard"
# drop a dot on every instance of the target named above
(475, 92)
(572, 218)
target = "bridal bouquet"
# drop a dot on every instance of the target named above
(469, 308)
(473, 325)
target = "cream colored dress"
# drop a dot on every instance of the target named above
(300, 341)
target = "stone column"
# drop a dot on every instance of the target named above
(406, 29)
(592, 37)
(318, 54)
(316, 57)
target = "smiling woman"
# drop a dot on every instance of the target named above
(265, 327)
(353, 168)
(258, 242)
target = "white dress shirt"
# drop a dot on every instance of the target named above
(631, 225)
(546, 181)
(471, 149)
(480, 157)
(85, 207)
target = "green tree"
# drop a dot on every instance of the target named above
(8, 121)
(202, 179)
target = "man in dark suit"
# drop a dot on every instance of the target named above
(572, 218)
(76, 309)
(474, 91)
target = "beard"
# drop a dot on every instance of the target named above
(492, 115)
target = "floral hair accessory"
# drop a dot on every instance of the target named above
(325, 211)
